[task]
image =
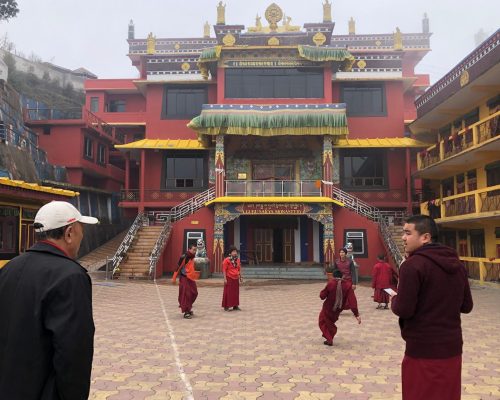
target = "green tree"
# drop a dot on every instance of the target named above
(8, 9)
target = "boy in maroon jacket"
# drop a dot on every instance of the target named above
(433, 291)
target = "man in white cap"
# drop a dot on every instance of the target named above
(46, 324)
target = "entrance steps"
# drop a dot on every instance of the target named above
(96, 259)
(283, 272)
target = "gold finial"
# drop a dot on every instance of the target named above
(352, 26)
(221, 14)
(151, 44)
(327, 11)
(206, 30)
(398, 40)
(273, 15)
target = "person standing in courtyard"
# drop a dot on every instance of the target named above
(433, 291)
(383, 277)
(46, 323)
(348, 269)
(188, 291)
(336, 294)
(231, 268)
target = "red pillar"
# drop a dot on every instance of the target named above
(409, 207)
(142, 180)
(127, 171)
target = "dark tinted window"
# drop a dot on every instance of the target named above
(185, 172)
(184, 103)
(94, 104)
(364, 99)
(117, 106)
(274, 83)
(363, 169)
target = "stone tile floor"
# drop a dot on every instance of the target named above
(272, 349)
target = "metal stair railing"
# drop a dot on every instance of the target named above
(158, 248)
(376, 215)
(191, 205)
(126, 242)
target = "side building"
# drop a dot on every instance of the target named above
(461, 172)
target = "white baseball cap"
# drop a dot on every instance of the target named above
(57, 214)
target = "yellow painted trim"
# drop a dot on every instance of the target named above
(126, 123)
(381, 142)
(272, 199)
(163, 144)
(3, 262)
(37, 188)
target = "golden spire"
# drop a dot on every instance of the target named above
(221, 14)
(398, 40)
(327, 11)
(206, 30)
(352, 26)
(151, 44)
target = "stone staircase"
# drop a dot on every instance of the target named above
(396, 233)
(135, 264)
(96, 259)
(283, 272)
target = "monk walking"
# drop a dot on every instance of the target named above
(188, 292)
(336, 294)
(383, 277)
(231, 268)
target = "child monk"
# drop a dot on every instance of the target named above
(188, 292)
(383, 277)
(231, 268)
(336, 294)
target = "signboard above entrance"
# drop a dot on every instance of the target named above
(273, 209)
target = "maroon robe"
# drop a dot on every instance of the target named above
(383, 278)
(328, 316)
(431, 379)
(188, 292)
(231, 295)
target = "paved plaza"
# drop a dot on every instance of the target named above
(272, 349)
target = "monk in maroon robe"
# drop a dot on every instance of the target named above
(384, 277)
(336, 294)
(188, 291)
(231, 269)
(349, 273)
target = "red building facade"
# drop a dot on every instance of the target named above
(259, 137)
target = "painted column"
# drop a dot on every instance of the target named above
(142, 180)
(327, 167)
(408, 182)
(219, 166)
(218, 237)
(328, 242)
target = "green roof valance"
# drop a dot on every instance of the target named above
(271, 120)
(319, 54)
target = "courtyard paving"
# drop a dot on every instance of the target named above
(272, 349)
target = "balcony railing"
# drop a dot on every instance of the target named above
(472, 203)
(273, 188)
(474, 135)
(482, 269)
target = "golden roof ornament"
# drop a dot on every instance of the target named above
(327, 11)
(319, 39)
(398, 40)
(206, 30)
(352, 26)
(221, 14)
(274, 41)
(151, 44)
(273, 15)
(229, 40)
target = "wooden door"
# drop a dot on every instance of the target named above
(264, 245)
(288, 245)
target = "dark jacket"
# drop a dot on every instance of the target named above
(46, 327)
(433, 290)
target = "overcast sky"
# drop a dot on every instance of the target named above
(92, 33)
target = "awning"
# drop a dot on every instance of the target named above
(162, 144)
(37, 188)
(381, 142)
(270, 199)
(271, 120)
(323, 54)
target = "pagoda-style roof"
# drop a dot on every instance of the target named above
(381, 142)
(11, 183)
(271, 120)
(162, 144)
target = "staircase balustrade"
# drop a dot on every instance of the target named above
(126, 242)
(158, 248)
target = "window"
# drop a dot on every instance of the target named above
(88, 148)
(358, 239)
(191, 237)
(117, 106)
(101, 154)
(185, 172)
(363, 169)
(364, 99)
(183, 103)
(261, 83)
(447, 187)
(493, 174)
(94, 104)
(477, 243)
